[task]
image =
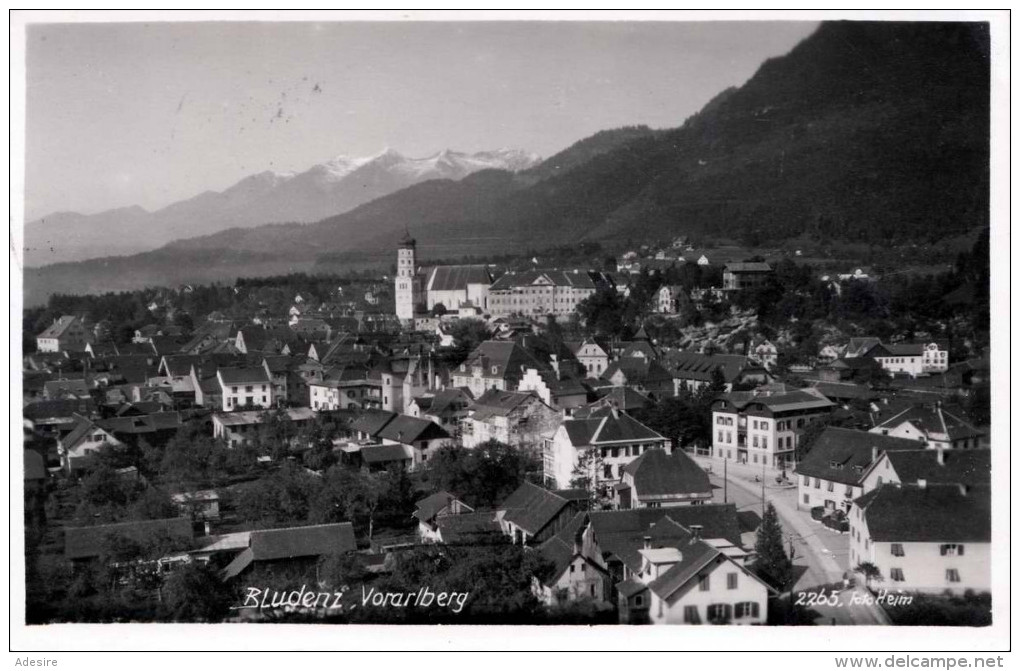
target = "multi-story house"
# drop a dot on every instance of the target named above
(563, 392)
(933, 426)
(519, 419)
(762, 427)
(911, 358)
(245, 388)
(493, 365)
(832, 474)
(968, 467)
(66, 334)
(615, 438)
(740, 276)
(593, 356)
(543, 292)
(925, 537)
(692, 371)
(240, 428)
(644, 375)
(670, 299)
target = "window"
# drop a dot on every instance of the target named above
(233, 390)
(731, 581)
(818, 483)
(831, 486)
(720, 613)
(691, 615)
(720, 436)
(896, 574)
(807, 480)
(639, 600)
(896, 550)
(951, 550)
(952, 575)
(248, 388)
(746, 609)
(807, 498)
(703, 583)
(607, 472)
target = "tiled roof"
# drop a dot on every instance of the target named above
(638, 370)
(431, 505)
(457, 278)
(843, 455)
(695, 555)
(307, 541)
(935, 513)
(406, 429)
(508, 358)
(562, 278)
(381, 454)
(531, 507)
(700, 367)
(748, 267)
(656, 473)
(469, 528)
(244, 375)
(57, 328)
(969, 467)
(496, 403)
(934, 420)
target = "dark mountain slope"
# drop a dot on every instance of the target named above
(868, 132)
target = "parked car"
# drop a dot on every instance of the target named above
(837, 521)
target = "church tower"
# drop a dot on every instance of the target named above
(407, 283)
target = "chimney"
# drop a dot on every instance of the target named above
(695, 532)
(554, 361)
(922, 483)
(648, 542)
(940, 456)
(874, 454)
(964, 489)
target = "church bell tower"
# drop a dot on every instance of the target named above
(407, 283)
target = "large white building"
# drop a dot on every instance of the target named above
(762, 427)
(245, 388)
(543, 292)
(925, 537)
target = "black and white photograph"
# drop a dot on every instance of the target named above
(599, 330)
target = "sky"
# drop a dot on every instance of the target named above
(122, 114)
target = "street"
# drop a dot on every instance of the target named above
(819, 554)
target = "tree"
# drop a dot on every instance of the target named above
(870, 571)
(586, 475)
(772, 564)
(482, 476)
(195, 593)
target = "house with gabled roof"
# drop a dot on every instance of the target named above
(518, 419)
(293, 548)
(645, 375)
(89, 543)
(745, 275)
(78, 447)
(692, 371)
(430, 509)
(927, 537)
(245, 387)
(939, 466)
(658, 479)
(532, 514)
(592, 355)
(933, 426)
(387, 437)
(832, 474)
(494, 365)
(615, 437)
(66, 333)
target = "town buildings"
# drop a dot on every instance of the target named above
(763, 428)
(67, 333)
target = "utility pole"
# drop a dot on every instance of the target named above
(725, 481)
(763, 487)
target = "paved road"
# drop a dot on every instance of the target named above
(820, 555)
